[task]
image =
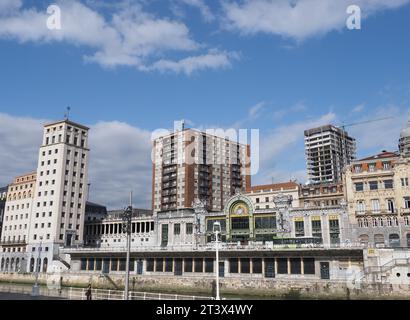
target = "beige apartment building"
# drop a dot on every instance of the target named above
(189, 164)
(263, 196)
(17, 221)
(378, 194)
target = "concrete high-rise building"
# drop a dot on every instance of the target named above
(61, 187)
(45, 210)
(328, 150)
(404, 142)
(192, 165)
(17, 216)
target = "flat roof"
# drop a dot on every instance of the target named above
(68, 122)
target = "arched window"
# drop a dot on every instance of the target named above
(17, 265)
(408, 240)
(2, 264)
(12, 265)
(7, 265)
(45, 264)
(394, 240)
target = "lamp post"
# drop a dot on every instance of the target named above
(217, 231)
(36, 290)
(126, 227)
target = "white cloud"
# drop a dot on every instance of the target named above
(358, 108)
(212, 60)
(120, 162)
(284, 138)
(202, 7)
(373, 137)
(256, 110)
(297, 19)
(298, 107)
(120, 158)
(130, 37)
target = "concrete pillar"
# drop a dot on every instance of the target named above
(276, 266)
(302, 266)
(251, 266)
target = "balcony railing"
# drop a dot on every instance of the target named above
(13, 242)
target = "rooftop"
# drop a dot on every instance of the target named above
(383, 155)
(68, 122)
(276, 186)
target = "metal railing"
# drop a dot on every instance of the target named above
(71, 293)
(103, 294)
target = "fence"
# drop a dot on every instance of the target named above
(72, 293)
(102, 294)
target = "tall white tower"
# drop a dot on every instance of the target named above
(61, 190)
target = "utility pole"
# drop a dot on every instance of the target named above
(217, 231)
(127, 217)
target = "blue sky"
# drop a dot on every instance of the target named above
(139, 65)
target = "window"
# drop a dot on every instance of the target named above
(372, 167)
(240, 223)
(282, 266)
(373, 185)
(390, 205)
(257, 266)
(359, 186)
(199, 265)
(209, 265)
(375, 206)
(177, 229)
(295, 266)
(358, 168)
(334, 231)
(150, 265)
(404, 182)
(361, 207)
(168, 265)
(317, 228)
(189, 228)
(407, 202)
(309, 266)
(188, 265)
(388, 184)
(245, 265)
(159, 265)
(233, 265)
(299, 228)
(265, 222)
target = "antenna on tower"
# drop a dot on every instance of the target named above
(67, 114)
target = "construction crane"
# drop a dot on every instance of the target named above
(344, 126)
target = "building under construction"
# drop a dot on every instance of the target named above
(328, 150)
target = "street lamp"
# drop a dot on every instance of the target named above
(36, 289)
(126, 227)
(217, 231)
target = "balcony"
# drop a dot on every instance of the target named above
(13, 243)
(405, 211)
